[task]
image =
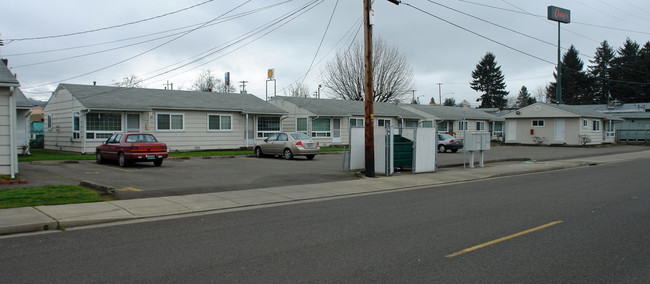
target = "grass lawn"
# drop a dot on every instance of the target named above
(46, 195)
(48, 155)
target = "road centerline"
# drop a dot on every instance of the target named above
(503, 239)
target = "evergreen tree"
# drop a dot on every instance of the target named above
(645, 69)
(524, 98)
(449, 102)
(626, 73)
(489, 80)
(576, 85)
(600, 72)
(433, 101)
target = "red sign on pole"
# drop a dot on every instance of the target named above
(559, 15)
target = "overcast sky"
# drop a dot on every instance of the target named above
(74, 41)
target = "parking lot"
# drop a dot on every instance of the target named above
(202, 175)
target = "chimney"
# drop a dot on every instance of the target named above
(5, 61)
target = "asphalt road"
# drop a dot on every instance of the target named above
(596, 232)
(189, 176)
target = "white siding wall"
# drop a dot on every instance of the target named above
(5, 146)
(59, 137)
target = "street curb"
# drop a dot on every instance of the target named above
(104, 189)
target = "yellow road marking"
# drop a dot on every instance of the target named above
(503, 239)
(129, 189)
(109, 167)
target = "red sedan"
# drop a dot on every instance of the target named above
(132, 147)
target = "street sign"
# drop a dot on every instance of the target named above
(559, 14)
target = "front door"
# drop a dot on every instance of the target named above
(132, 122)
(336, 130)
(559, 130)
(511, 130)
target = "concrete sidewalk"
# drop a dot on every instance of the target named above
(31, 219)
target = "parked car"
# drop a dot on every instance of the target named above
(288, 145)
(448, 142)
(132, 147)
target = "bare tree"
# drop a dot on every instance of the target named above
(539, 94)
(296, 89)
(207, 82)
(392, 75)
(130, 81)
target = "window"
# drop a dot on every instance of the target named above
(267, 125)
(462, 125)
(596, 125)
(442, 126)
(283, 137)
(170, 122)
(356, 122)
(585, 123)
(480, 125)
(76, 134)
(411, 123)
(320, 127)
(49, 121)
(217, 122)
(427, 124)
(101, 125)
(383, 122)
(538, 123)
(301, 124)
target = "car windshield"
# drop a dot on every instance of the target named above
(300, 136)
(445, 136)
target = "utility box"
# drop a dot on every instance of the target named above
(477, 141)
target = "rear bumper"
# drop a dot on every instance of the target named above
(302, 151)
(145, 156)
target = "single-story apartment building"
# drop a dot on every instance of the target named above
(329, 120)
(456, 120)
(636, 124)
(548, 124)
(8, 120)
(80, 117)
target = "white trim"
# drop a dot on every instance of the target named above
(170, 122)
(594, 124)
(532, 123)
(306, 124)
(207, 117)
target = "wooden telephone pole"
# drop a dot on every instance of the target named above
(369, 98)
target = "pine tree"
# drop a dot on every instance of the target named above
(645, 69)
(433, 101)
(600, 72)
(449, 102)
(489, 80)
(576, 85)
(626, 73)
(524, 98)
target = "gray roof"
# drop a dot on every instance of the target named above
(141, 99)
(616, 108)
(334, 107)
(580, 111)
(6, 77)
(21, 101)
(456, 113)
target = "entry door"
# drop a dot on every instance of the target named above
(336, 130)
(511, 130)
(132, 122)
(559, 130)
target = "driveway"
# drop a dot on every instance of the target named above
(200, 175)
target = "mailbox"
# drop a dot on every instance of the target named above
(477, 141)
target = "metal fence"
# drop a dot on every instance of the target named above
(632, 135)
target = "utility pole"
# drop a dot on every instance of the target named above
(243, 86)
(439, 95)
(369, 97)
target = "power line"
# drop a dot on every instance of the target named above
(107, 28)
(321, 41)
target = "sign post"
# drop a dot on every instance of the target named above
(270, 76)
(559, 15)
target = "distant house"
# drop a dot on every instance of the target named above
(329, 120)
(80, 117)
(455, 120)
(636, 124)
(548, 124)
(8, 121)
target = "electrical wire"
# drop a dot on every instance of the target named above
(321, 42)
(110, 27)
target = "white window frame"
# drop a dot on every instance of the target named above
(538, 125)
(76, 133)
(382, 121)
(92, 134)
(357, 120)
(170, 114)
(218, 129)
(427, 123)
(462, 125)
(321, 133)
(261, 134)
(585, 123)
(481, 127)
(48, 121)
(596, 126)
(306, 130)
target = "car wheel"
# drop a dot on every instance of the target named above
(287, 154)
(454, 150)
(122, 160)
(98, 158)
(258, 152)
(310, 157)
(442, 148)
(157, 162)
